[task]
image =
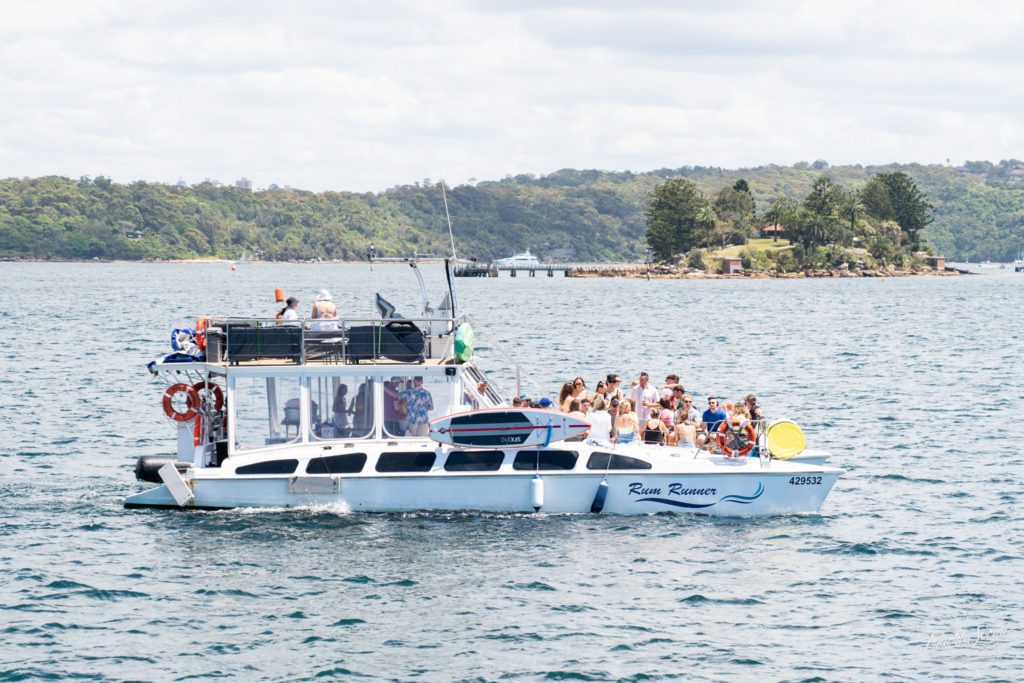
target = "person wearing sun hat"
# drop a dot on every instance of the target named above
(324, 309)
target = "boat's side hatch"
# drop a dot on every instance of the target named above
(312, 485)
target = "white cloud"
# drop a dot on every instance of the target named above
(323, 95)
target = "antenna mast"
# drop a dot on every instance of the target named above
(451, 235)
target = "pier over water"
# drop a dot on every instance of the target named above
(472, 269)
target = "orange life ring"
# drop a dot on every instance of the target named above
(201, 325)
(201, 388)
(723, 441)
(191, 402)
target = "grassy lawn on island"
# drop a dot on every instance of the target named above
(764, 244)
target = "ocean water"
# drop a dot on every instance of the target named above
(913, 569)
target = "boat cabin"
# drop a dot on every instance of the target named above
(263, 384)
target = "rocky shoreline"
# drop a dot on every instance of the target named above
(682, 273)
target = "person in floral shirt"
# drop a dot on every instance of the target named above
(418, 403)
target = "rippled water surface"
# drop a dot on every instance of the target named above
(913, 570)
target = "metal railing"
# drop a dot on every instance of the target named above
(330, 340)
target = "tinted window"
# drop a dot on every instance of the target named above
(269, 467)
(545, 460)
(349, 463)
(474, 461)
(420, 461)
(599, 461)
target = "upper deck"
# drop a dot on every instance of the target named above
(355, 341)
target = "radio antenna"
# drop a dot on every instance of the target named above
(448, 216)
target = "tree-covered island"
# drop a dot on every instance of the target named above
(880, 224)
(881, 214)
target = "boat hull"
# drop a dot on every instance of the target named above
(759, 493)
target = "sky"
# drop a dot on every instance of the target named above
(363, 96)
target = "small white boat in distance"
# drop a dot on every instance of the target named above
(523, 260)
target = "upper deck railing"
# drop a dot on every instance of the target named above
(365, 341)
(330, 340)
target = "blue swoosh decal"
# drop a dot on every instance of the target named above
(732, 498)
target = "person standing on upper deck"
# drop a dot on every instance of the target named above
(418, 404)
(644, 397)
(324, 309)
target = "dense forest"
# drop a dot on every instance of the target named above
(977, 210)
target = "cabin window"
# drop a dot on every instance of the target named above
(266, 411)
(269, 467)
(599, 461)
(474, 461)
(545, 460)
(418, 461)
(347, 463)
(411, 402)
(347, 407)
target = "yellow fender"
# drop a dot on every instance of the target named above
(785, 439)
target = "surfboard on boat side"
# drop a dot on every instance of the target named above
(506, 428)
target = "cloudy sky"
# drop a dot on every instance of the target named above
(367, 95)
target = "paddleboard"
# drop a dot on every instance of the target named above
(505, 428)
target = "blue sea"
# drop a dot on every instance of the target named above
(913, 570)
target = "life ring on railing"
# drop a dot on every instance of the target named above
(203, 388)
(725, 436)
(191, 402)
(201, 325)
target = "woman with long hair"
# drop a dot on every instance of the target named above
(626, 423)
(565, 397)
(579, 389)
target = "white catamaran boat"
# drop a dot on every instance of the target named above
(391, 414)
(523, 260)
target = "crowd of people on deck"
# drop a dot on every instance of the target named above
(663, 415)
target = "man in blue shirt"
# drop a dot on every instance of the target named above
(713, 417)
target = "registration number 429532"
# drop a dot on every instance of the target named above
(805, 481)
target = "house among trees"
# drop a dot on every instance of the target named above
(773, 230)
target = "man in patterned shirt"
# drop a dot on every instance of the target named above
(418, 404)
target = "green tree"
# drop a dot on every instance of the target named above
(672, 218)
(851, 209)
(824, 198)
(778, 213)
(910, 206)
(875, 198)
(707, 223)
(735, 210)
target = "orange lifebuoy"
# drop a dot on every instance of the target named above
(201, 325)
(723, 440)
(202, 388)
(191, 402)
